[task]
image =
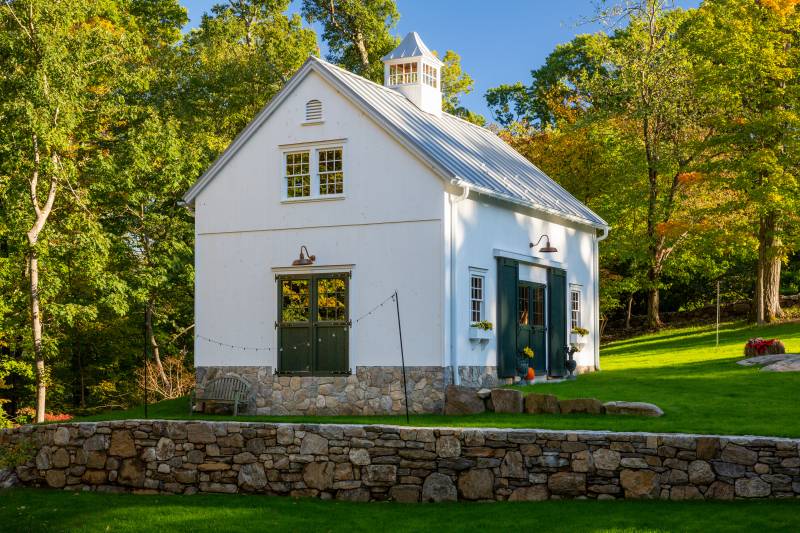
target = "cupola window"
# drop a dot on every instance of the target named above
(402, 73)
(429, 75)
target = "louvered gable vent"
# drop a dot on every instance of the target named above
(313, 111)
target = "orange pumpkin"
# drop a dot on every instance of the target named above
(530, 375)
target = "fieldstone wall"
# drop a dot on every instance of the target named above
(367, 463)
(371, 390)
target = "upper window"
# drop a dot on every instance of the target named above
(429, 76)
(298, 176)
(476, 297)
(313, 111)
(402, 73)
(575, 308)
(331, 178)
(326, 180)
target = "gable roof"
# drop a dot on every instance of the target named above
(411, 46)
(456, 149)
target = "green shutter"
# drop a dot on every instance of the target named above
(507, 275)
(557, 326)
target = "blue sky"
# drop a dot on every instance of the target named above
(501, 44)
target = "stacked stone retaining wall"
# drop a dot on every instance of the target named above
(366, 463)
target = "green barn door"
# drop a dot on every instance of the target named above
(294, 328)
(507, 276)
(557, 324)
(331, 325)
(530, 323)
(313, 326)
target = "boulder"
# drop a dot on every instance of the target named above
(313, 444)
(132, 473)
(56, 478)
(61, 436)
(165, 449)
(380, 475)
(513, 466)
(605, 459)
(567, 483)
(439, 488)
(94, 477)
(477, 484)
(60, 458)
(541, 403)
(752, 488)
(685, 492)
(506, 401)
(359, 456)
(200, 433)
(462, 401)
(640, 484)
(707, 448)
(122, 444)
(353, 495)
(590, 406)
(318, 475)
(733, 453)
(700, 473)
(633, 408)
(448, 446)
(535, 493)
(404, 493)
(720, 490)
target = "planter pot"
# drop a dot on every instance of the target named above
(478, 334)
(577, 341)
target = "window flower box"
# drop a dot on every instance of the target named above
(479, 334)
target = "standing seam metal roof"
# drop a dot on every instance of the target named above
(469, 152)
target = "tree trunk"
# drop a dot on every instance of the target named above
(653, 315)
(362, 51)
(629, 312)
(771, 270)
(36, 329)
(758, 296)
(154, 345)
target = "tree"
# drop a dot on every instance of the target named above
(456, 83)
(749, 63)
(60, 60)
(357, 32)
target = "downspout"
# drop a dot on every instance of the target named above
(454, 201)
(596, 268)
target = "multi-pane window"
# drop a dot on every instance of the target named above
(537, 306)
(476, 296)
(298, 175)
(575, 308)
(331, 299)
(523, 305)
(331, 178)
(429, 75)
(402, 73)
(294, 300)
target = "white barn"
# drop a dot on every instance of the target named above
(389, 194)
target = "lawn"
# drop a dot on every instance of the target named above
(700, 388)
(46, 510)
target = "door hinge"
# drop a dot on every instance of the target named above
(350, 322)
(276, 324)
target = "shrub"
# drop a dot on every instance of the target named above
(13, 455)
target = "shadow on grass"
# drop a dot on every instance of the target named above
(45, 510)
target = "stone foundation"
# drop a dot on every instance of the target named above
(364, 463)
(371, 390)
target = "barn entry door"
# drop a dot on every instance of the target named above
(531, 328)
(313, 324)
(557, 320)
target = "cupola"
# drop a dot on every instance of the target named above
(413, 70)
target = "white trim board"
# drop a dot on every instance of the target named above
(528, 259)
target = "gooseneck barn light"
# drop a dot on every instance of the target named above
(306, 259)
(546, 249)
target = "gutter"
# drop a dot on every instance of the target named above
(454, 201)
(596, 268)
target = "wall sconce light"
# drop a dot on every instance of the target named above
(546, 249)
(306, 259)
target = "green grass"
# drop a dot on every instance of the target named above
(700, 388)
(45, 510)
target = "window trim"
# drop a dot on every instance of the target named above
(479, 273)
(573, 313)
(405, 78)
(313, 149)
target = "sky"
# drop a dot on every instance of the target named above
(500, 44)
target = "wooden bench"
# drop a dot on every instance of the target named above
(228, 390)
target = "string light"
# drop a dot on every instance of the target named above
(372, 311)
